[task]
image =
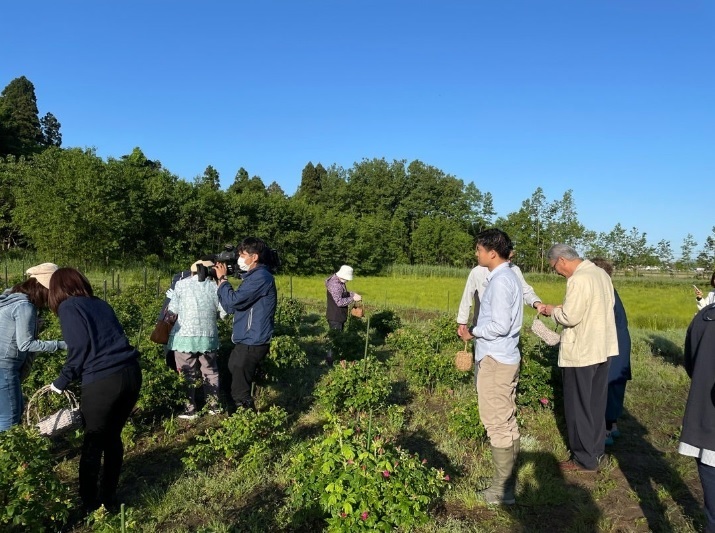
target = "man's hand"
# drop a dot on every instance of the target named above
(463, 332)
(549, 309)
(356, 297)
(220, 269)
(540, 308)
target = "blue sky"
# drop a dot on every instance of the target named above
(613, 99)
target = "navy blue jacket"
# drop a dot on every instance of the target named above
(699, 419)
(253, 306)
(96, 344)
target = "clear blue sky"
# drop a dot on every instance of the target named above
(614, 99)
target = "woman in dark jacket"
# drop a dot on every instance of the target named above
(619, 371)
(697, 439)
(101, 357)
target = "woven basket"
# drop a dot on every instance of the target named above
(464, 359)
(546, 334)
(357, 311)
(58, 423)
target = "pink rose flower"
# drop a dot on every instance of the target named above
(364, 516)
(385, 473)
(544, 401)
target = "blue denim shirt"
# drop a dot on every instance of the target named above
(18, 322)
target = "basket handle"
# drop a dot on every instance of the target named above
(538, 314)
(71, 399)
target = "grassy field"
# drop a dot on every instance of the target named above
(651, 304)
(644, 486)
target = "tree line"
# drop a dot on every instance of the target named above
(71, 206)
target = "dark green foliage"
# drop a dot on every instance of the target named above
(424, 363)
(244, 436)
(358, 481)
(384, 322)
(354, 386)
(464, 421)
(32, 498)
(349, 343)
(20, 131)
(285, 354)
(289, 312)
(538, 373)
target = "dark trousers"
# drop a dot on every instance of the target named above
(242, 364)
(707, 478)
(585, 393)
(614, 404)
(336, 325)
(106, 405)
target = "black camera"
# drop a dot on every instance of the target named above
(229, 257)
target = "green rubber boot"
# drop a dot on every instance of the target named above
(501, 491)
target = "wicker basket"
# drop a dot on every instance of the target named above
(464, 359)
(357, 311)
(546, 334)
(58, 423)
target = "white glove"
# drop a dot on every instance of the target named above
(55, 389)
(357, 297)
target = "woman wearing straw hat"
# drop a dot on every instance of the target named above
(339, 298)
(18, 327)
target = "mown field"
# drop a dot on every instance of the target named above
(397, 395)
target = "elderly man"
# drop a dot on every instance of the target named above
(497, 354)
(588, 339)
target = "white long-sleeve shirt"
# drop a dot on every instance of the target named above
(707, 300)
(476, 281)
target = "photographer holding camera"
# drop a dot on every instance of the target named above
(253, 306)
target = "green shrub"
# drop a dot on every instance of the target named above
(464, 421)
(285, 354)
(384, 322)
(426, 368)
(31, 496)
(244, 436)
(424, 365)
(349, 343)
(442, 333)
(289, 312)
(360, 482)
(354, 386)
(536, 375)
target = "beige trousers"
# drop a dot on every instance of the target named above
(496, 388)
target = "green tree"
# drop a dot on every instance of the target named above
(68, 208)
(10, 236)
(706, 257)
(440, 240)
(310, 183)
(686, 252)
(664, 251)
(50, 126)
(21, 132)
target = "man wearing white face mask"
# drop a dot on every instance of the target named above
(253, 306)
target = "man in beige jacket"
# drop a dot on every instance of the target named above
(588, 339)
